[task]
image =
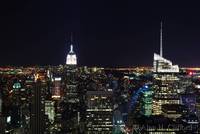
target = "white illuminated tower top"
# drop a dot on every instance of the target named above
(160, 64)
(71, 57)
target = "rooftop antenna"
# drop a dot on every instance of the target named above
(71, 38)
(71, 46)
(161, 41)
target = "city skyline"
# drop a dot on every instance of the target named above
(113, 34)
(99, 67)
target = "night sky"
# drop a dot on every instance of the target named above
(108, 34)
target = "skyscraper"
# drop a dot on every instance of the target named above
(165, 79)
(0, 103)
(160, 64)
(99, 112)
(2, 119)
(56, 91)
(37, 111)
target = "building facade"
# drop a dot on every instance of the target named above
(99, 113)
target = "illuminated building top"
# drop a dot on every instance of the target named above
(163, 65)
(160, 64)
(71, 57)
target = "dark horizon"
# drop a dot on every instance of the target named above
(105, 33)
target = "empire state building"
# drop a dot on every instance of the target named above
(71, 57)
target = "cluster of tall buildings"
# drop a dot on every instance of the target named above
(171, 100)
(67, 99)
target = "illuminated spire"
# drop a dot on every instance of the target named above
(71, 58)
(71, 48)
(161, 40)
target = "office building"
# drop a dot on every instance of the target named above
(37, 110)
(147, 101)
(165, 81)
(57, 89)
(99, 113)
